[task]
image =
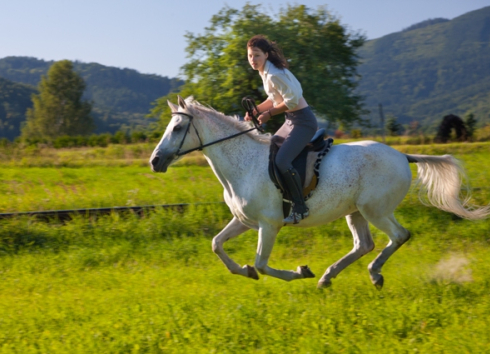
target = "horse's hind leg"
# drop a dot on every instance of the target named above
(363, 243)
(398, 236)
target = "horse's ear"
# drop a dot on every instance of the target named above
(182, 103)
(173, 107)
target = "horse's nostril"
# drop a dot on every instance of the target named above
(154, 162)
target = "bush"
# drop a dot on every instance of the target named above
(31, 141)
(482, 134)
(419, 140)
(138, 137)
(66, 141)
(4, 142)
(155, 136)
(101, 140)
(120, 137)
(355, 133)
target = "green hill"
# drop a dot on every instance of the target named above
(15, 98)
(430, 69)
(120, 96)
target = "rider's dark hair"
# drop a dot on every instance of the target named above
(275, 55)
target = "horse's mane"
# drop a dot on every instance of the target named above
(234, 121)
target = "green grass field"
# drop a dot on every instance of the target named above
(151, 284)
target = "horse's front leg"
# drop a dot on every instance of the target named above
(267, 237)
(232, 230)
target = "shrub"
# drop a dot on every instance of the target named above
(120, 137)
(4, 142)
(137, 137)
(482, 134)
(356, 133)
(155, 136)
(66, 141)
(101, 140)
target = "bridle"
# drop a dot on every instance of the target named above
(247, 103)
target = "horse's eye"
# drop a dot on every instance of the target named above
(177, 128)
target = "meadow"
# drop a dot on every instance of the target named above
(128, 284)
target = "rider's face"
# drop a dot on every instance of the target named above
(257, 58)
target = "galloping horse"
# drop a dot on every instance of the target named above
(363, 181)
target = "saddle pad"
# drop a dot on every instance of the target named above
(311, 179)
(312, 173)
(307, 164)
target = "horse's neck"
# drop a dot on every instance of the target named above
(233, 159)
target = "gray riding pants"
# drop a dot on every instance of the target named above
(298, 129)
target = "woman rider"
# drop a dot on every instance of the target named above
(284, 95)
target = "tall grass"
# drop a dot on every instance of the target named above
(30, 189)
(152, 285)
(113, 155)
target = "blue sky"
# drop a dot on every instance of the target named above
(148, 35)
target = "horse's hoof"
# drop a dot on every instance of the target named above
(305, 271)
(379, 282)
(324, 284)
(251, 272)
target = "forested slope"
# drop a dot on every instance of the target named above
(120, 96)
(15, 99)
(428, 71)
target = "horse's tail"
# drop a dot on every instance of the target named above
(441, 178)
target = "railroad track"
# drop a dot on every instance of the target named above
(64, 215)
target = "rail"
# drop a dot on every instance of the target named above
(63, 215)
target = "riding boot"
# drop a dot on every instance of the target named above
(299, 210)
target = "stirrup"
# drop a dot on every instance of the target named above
(295, 218)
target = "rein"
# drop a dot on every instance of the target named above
(201, 145)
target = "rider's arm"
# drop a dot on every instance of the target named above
(272, 111)
(264, 106)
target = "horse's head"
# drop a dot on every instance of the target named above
(179, 136)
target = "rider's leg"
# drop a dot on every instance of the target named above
(300, 127)
(293, 182)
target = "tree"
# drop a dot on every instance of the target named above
(320, 51)
(393, 126)
(58, 109)
(470, 123)
(451, 123)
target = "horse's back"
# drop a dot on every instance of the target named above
(357, 174)
(365, 160)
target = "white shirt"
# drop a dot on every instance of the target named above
(281, 85)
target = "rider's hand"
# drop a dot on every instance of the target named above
(247, 117)
(263, 118)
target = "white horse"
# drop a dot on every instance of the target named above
(363, 181)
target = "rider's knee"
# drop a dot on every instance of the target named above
(283, 164)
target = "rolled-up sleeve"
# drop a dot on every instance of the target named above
(289, 89)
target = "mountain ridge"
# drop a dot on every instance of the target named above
(15, 99)
(426, 73)
(121, 97)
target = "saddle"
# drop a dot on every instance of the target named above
(307, 164)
